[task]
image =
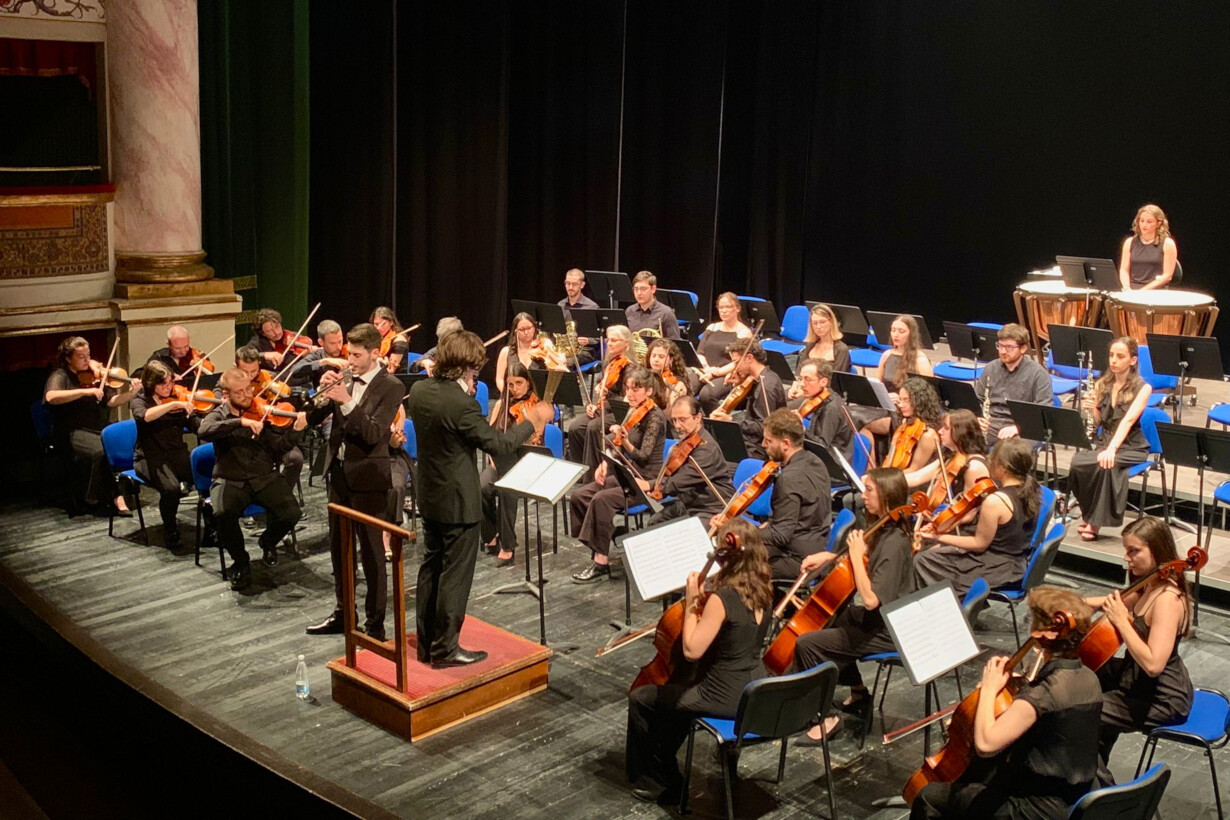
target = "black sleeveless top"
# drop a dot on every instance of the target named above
(733, 659)
(1013, 536)
(1146, 262)
(713, 346)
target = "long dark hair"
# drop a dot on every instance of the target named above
(674, 359)
(1160, 541)
(1133, 382)
(967, 435)
(927, 405)
(1017, 457)
(66, 349)
(746, 571)
(640, 376)
(894, 491)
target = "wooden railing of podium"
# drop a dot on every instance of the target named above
(396, 652)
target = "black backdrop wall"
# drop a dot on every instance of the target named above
(919, 156)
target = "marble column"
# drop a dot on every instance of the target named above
(153, 77)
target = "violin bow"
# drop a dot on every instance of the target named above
(401, 333)
(206, 356)
(708, 483)
(107, 367)
(299, 332)
(495, 338)
(858, 437)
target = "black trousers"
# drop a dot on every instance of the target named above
(95, 483)
(170, 478)
(499, 511)
(445, 577)
(292, 466)
(593, 510)
(842, 642)
(785, 566)
(371, 547)
(585, 441)
(229, 499)
(657, 727)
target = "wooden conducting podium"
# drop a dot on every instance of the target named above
(385, 682)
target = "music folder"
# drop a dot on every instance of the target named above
(930, 632)
(541, 477)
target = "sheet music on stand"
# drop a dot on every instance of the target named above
(541, 477)
(930, 632)
(660, 557)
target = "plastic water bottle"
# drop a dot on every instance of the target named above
(302, 688)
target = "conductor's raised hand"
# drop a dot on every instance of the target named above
(541, 414)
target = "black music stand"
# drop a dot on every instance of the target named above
(969, 342)
(1187, 357)
(610, 286)
(634, 496)
(1201, 449)
(686, 349)
(955, 394)
(852, 322)
(778, 364)
(836, 465)
(1085, 348)
(883, 325)
(729, 438)
(856, 389)
(754, 310)
(681, 303)
(547, 315)
(567, 392)
(1049, 425)
(409, 380)
(1088, 272)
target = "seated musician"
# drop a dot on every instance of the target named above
(912, 427)
(823, 340)
(79, 402)
(767, 393)
(426, 363)
(829, 424)
(500, 523)
(179, 354)
(1099, 477)
(327, 356)
(717, 339)
(1014, 375)
(1038, 757)
(881, 567)
(964, 459)
(594, 505)
(524, 348)
(662, 356)
(161, 455)
(248, 453)
(248, 360)
(648, 313)
(585, 433)
(1148, 686)
(700, 485)
(726, 628)
(999, 547)
(393, 343)
(269, 339)
(574, 283)
(801, 501)
(1149, 255)
(905, 357)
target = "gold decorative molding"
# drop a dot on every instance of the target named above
(244, 282)
(31, 200)
(161, 268)
(61, 308)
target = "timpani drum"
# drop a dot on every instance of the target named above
(1136, 313)
(1039, 304)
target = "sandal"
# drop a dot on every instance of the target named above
(1089, 535)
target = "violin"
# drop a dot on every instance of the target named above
(680, 453)
(669, 664)
(116, 377)
(202, 400)
(962, 504)
(281, 414)
(611, 376)
(826, 600)
(386, 342)
(266, 383)
(813, 404)
(542, 349)
(952, 469)
(290, 340)
(196, 358)
(736, 396)
(1102, 640)
(752, 490)
(949, 763)
(635, 417)
(518, 411)
(397, 430)
(904, 441)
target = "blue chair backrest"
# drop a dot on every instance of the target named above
(1144, 362)
(747, 468)
(843, 522)
(40, 414)
(1041, 558)
(752, 298)
(695, 298)
(553, 439)
(480, 395)
(781, 706)
(118, 441)
(794, 323)
(1148, 425)
(202, 459)
(1135, 800)
(411, 444)
(667, 446)
(1046, 508)
(978, 592)
(862, 453)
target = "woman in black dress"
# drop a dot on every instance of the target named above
(1149, 255)
(1099, 477)
(161, 457)
(726, 629)
(79, 410)
(712, 351)
(1148, 686)
(881, 566)
(905, 356)
(393, 343)
(500, 516)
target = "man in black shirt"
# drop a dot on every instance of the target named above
(767, 393)
(648, 313)
(691, 493)
(830, 424)
(308, 370)
(247, 453)
(1014, 375)
(574, 281)
(178, 354)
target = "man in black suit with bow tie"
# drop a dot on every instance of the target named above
(450, 429)
(357, 464)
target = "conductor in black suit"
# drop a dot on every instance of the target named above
(357, 464)
(450, 429)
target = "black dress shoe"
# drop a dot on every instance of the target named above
(270, 556)
(459, 657)
(375, 633)
(333, 625)
(172, 539)
(594, 572)
(659, 795)
(241, 576)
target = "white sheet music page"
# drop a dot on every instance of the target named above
(881, 392)
(541, 477)
(930, 632)
(660, 558)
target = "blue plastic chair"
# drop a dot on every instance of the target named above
(769, 709)
(841, 525)
(794, 331)
(411, 444)
(865, 357)
(410, 359)
(1219, 413)
(553, 440)
(748, 467)
(987, 325)
(1067, 371)
(958, 370)
(119, 441)
(1207, 726)
(1137, 800)
(481, 396)
(1040, 560)
(1149, 420)
(1144, 362)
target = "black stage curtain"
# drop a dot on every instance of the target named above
(918, 157)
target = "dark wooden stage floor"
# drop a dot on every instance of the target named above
(233, 656)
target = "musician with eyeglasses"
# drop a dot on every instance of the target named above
(1014, 375)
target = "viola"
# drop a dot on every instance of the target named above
(962, 504)
(669, 664)
(813, 404)
(612, 375)
(952, 469)
(680, 453)
(904, 441)
(116, 377)
(518, 411)
(635, 417)
(752, 490)
(290, 340)
(949, 763)
(736, 396)
(825, 601)
(266, 383)
(196, 358)
(281, 414)
(1102, 640)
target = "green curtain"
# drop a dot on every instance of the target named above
(254, 149)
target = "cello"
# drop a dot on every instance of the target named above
(828, 598)
(949, 763)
